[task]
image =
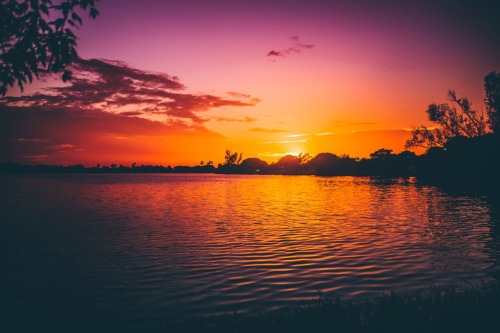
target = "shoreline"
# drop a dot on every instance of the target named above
(435, 309)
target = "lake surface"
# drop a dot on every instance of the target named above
(132, 251)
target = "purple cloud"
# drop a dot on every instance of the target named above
(114, 86)
(296, 48)
(107, 109)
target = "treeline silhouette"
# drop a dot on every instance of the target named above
(461, 160)
(382, 162)
(463, 147)
(10, 167)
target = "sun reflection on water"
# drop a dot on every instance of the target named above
(210, 244)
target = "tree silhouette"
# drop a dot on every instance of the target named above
(456, 120)
(232, 158)
(331, 164)
(323, 160)
(492, 100)
(381, 154)
(288, 164)
(36, 37)
(253, 165)
(304, 158)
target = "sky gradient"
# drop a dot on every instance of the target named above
(177, 82)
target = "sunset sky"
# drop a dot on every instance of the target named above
(178, 82)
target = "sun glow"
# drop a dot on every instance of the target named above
(263, 92)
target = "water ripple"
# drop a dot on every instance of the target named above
(150, 246)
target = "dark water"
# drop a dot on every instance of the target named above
(126, 252)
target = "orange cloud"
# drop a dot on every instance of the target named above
(116, 87)
(266, 130)
(110, 112)
(244, 120)
(39, 135)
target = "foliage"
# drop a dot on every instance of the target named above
(291, 164)
(381, 154)
(231, 158)
(468, 163)
(253, 165)
(324, 158)
(383, 162)
(38, 36)
(327, 164)
(492, 100)
(288, 160)
(456, 120)
(471, 308)
(304, 158)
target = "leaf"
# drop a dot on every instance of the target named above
(58, 23)
(67, 75)
(44, 9)
(69, 34)
(44, 26)
(65, 8)
(23, 7)
(34, 36)
(30, 76)
(76, 18)
(20, 84)
(93, 13)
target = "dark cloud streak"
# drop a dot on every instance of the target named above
(296, 48)
(244, 120)
(111, 85)
(107, 107)
(37, 134)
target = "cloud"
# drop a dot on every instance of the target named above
(267, 154)
(265, 130)
(111, 110)
(361, 143)
(284, 142)
(361, 124)
(357, 144)
(56, 135)
(342, 123)
(297, 47)
(244, 120)
(275, 53)
(248, 97)
(116, 87)
(297, 135)
(301, 135)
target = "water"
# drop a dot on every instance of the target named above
(131, 251)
